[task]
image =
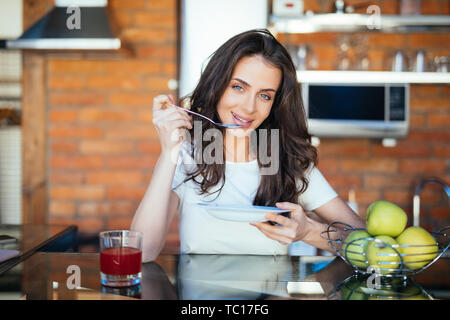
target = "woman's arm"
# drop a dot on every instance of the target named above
(159, 204)
(157, 209)
(337, 210)
(300, 227)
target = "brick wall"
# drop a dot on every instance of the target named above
(377, 172)
(364, 165)
(102, 146)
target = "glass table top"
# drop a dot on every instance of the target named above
(31, 238)
(54, 276)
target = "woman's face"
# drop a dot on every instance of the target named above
(249, 96)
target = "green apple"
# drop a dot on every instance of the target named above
(351, 290)
(385, 218)
(355, 251)
(382, 255)
(423, 247)
(414, 293)
(385, 294)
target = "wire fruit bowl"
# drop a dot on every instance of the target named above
(358, 288)
(389, 263)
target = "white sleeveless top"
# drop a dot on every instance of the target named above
(203, 233)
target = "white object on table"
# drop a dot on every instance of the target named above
(240, 213)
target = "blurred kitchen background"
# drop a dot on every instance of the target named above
(77, 143)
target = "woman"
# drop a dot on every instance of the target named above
(251, 81)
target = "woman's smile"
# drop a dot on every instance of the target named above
(243, 121)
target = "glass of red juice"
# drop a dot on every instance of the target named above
(120, 258)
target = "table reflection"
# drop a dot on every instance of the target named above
(45, 276)
(233, 277)
(155, 285)
(362, 288)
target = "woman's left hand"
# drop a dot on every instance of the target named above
(291, 230)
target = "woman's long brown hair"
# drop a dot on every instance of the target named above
(296, 153)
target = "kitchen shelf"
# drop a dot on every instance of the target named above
(351, 22)
(372, 77)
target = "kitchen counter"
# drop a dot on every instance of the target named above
(51, 276)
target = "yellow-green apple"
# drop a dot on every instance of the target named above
(412, 292)
(381, 254)
(385, 218)
(417, 246)
(386, 294)
(355, 251)
(351, 290)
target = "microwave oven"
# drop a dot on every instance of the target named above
(357, 110)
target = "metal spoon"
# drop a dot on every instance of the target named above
(224, 125)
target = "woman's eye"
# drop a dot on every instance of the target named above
(266, 97)
(237, 87)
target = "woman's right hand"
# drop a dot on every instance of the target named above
(170, 123)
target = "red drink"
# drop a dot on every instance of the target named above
(121, 261)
